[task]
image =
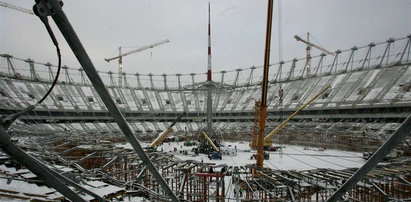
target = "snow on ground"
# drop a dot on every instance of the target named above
(290, 158)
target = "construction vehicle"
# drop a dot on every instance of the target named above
(190, 143)
(267, 140)
(164, 134)
(215, 155)
(120, 57)
(210, 142)
(264, 90)
(271, 148)
(205, 148)
(265, 155)
(253, 143)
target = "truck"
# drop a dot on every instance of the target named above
(215, 155)
(271, 148)
(265, 154)
(190, 143)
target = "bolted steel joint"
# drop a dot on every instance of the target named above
(44, 8)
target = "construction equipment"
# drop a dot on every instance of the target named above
(313, 45)
(267, 139)
(17, 8)
(215, 155)
(309, 45)
(253, 143)
(265, 155)
(164, 134)
(264, 86)
(210, 141)
(120, 57)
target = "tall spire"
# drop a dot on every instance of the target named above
(209, 46)
(209, 82)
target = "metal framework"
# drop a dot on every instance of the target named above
(196, 181)
(369, 98)
(377, 93)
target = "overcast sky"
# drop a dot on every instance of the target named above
(238, 31)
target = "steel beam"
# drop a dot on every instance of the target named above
(385, 149)
(376, 187)
(75, 44)
(35, 166)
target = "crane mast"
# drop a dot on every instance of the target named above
(264, 86)
(121, 55)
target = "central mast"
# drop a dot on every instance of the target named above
(209, 82)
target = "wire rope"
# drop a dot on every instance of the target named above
(280, 31)
(320, 158)
(301, 161)
(13, 117)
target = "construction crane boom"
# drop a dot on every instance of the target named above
(267, 139)
(164, 134)
(17, 8)
(209, 141)
(313, 45)
(137, 50)
(120, 58)
(264, 85)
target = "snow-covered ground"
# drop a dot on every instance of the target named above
(290, 158)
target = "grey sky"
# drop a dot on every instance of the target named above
(238, 31)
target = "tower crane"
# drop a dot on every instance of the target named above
(121, 55)
(309, 45)
(17, 8)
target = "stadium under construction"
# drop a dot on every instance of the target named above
(342, 118)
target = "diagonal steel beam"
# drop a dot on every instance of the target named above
(140, 174)
(376, 187)
(54, 8)
(88, 156)
(385, 149)
(115, 159)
